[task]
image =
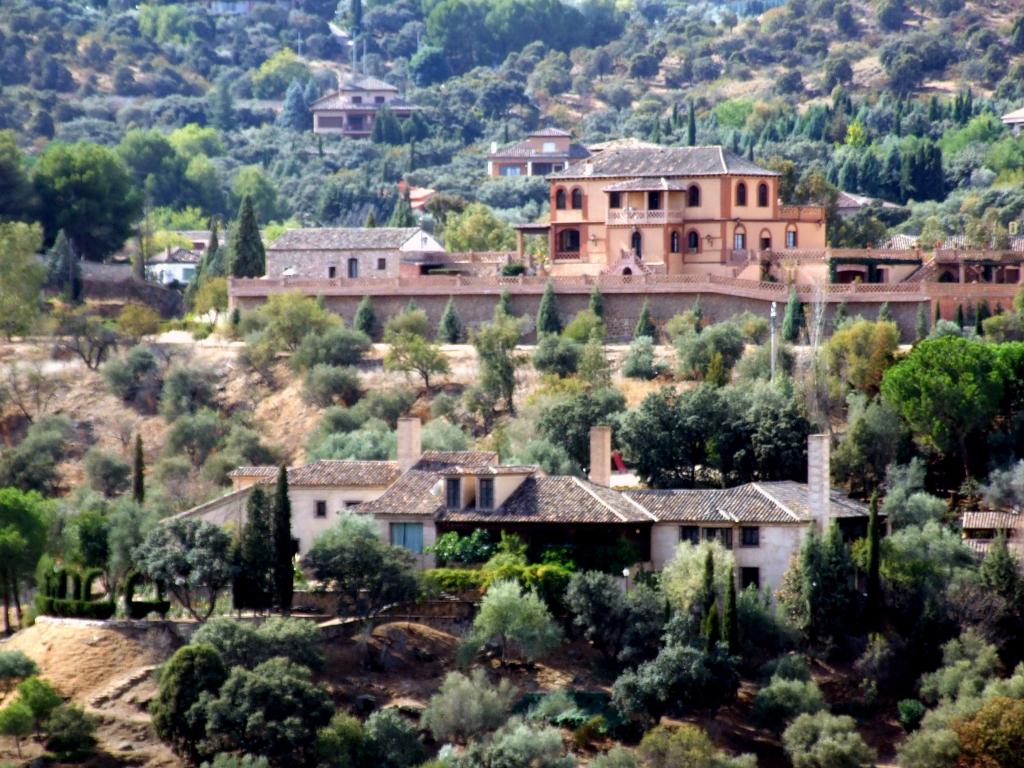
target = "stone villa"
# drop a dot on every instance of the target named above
(351, 110)
(328, 253)
(540, 153)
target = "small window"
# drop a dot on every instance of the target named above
(739, 241)
(762, 195)
(560, 199)
(353, 268)
(791, 239)
(332, 272)
(741, 194)
(357, 99)
(722, 535)
(511, 170)
(378, 99)
(577, 199)
(382, 263)
(408, 535)
(750, 536)
(614, 199)
(689, 534)
(750, 577)
(654, 201)
(453, 493)
(674, 242)
(693, 196)
(321, 509)
(548, 146)
(692, 241)
(486, 500)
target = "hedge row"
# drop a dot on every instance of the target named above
(140, 609)
(75, 609)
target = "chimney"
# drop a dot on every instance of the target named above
(494, 147)
(409, 446)
(819, 483)
(601, 455)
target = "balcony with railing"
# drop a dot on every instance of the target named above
(630, 216)
(814, 213)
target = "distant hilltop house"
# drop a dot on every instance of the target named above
(351, 110)
(849, 204)
(355, 252)
(427, 493)
(540, 153)
(173, 265)
(670, 210)
(1014, 120)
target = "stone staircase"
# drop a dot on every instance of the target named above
(120, 686)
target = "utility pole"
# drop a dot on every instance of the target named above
(774, 313)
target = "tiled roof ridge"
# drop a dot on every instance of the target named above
(772, 498)
(586, 487)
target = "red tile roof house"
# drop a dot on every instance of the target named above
(351, 110)
(540, 153)
(424, 494)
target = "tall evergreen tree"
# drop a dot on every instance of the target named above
(212, 264)
(691, 127)
(921, 326)
(708, 586)
(449, 330)
(248, 257)
(731, 624)
(873, 599)
(840, 316)
(256, 551)
(402, 216)
(64, 272)
(138, 472)
(504, 305)
(792, 318)
(284, 550)
(938, 312)
(371, 220)
(365, 320)
(981, 313)
(547, 313)
(222, 106)
(712, 628)
(294, 113)
(356, 17)
(960, 316)
(644, 324)
(386, 128)
(597, 301)
(884, 313)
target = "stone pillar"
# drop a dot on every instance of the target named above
(409, 443)
(601, 455)
(819, 482)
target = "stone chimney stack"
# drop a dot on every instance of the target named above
(601, 455)
(409, 444)
(819, 481)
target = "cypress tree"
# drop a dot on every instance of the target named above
(138, 472)
(504, 305)
(256, 552)
(212, 264)
(449, 330)
(691, 128)
(981, 313)
(64, 270)
(884, 313)
(248, 256)
(698, 314)
(294, 115)
(365, 320)
(547, 312)
(708, 585)
(873, 600)
(402, 216)
(938, 312)
(731, 625)
(284, 567)
(840, 316)
(791, 317)
(712, 628)
(960, 316)
(371, 220)
(921, 327)
(597, 301)
(644, 324)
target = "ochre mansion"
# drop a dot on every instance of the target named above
(670, 210)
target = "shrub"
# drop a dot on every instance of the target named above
(685, 745)
(583, 326)
(753, 327)
(516, 622)
(190, 675)
(373, 442)
(76, 609)
(639, 362)
(453, 581)
(72, 733)
(822, 740)
(40, 697)
(134, 376)
(390, 404)
(616, 757)
(792, 666)
(513, 269)
(519, 744)
(137, 320)
(391, 740)
(467, 707)
(557, 355)
(762, 631)
(337, 346)
(15, 665)
(697, 350)
(242, 644)
(16, 721)
(911, 713)
(450, 547)
(196, 434)
(342, 743)
(288, 318)
(411, 320)
(782, 700)
(186, 389)
(441, 435)
(106, 473)
(326, 385)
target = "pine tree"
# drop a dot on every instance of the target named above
(294, 113)
(691, 128)
(138, 472)
(884, 313)
(791, 318)
(712, 628)
(248, 258)
(64, 272)
(644, 324)
(921, 327)
(547, 312)
(284, 552)
(960, 316)
(365, 320)
(597, 301)
(371, 220)
(449, 330)
(402, 216)
(731, 624)
(873, 599)
(256, 552)
(504, 305)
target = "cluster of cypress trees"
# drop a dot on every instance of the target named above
(718, 627)
(265, 551)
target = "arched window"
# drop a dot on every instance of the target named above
(560, 199)
(674, 247)
(791, 241)
(693, 240)
(693, 196)
(353, 268)
(741, 194)
(762, 195)
(569, 241)
(577, 199)
(739, 239)
(636, 243)
(765, 241)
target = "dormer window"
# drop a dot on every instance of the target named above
(453, 493)
(485, 493)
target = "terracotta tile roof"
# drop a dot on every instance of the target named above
(344, 238)
(979, 546)
(524, 151)
(662, 161)
(647, 185)
(551, 132)
(987, 520)
(560, 499)
(176, 255)
(329, 472)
